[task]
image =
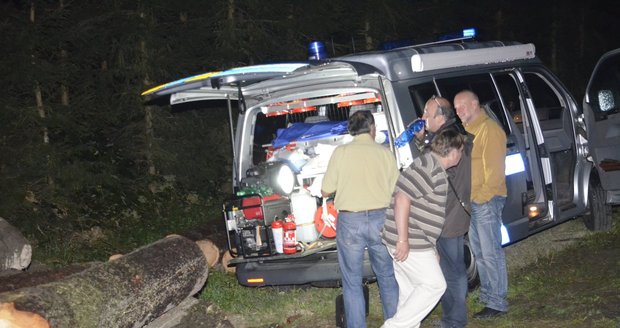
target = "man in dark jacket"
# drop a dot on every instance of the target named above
(439, 116)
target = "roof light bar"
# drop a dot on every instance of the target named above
(468, 57)
(469, 32)
(466, 33)
(316, 51)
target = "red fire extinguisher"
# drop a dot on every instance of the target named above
(290, 238)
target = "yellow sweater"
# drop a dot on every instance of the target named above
(362, 173)
(488, 177)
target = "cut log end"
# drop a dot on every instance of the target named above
(13, 318)
(225, 261)
(210, 251)
(15, 250)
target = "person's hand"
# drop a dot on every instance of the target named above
(420, 135)
(402, 251)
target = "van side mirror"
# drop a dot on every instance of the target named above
(606, 100)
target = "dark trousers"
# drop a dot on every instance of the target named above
(453, 301)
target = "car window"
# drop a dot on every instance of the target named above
(420, 93)
(484, 87)
(509, 92)
(546, 101)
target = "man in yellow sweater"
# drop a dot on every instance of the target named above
(488, 196)
(362, 174)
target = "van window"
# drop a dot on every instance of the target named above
(509, 92)
(420, 93)
(546, 101)
(483, 86)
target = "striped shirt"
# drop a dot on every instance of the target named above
(425, 183)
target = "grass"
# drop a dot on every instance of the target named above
(578, 286)
(271, 307)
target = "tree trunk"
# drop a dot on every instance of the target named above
(15, 250)
(127, 292)
(148, 122)
(64, 90)
(37, 88)
(366, 33)
(38, 274)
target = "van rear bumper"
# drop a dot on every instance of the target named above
(319, 269)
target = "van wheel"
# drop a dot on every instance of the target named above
(473, 279)
(599, 217)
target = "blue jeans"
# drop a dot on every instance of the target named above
(486, 242)
(453, 301)
(357, 231)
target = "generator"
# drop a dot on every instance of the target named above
(248, 221)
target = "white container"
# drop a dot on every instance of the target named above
(303, 206)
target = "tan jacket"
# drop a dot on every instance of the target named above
(488, 178)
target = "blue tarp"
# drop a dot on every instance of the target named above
(309, 131)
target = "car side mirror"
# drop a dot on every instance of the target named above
(606, 100)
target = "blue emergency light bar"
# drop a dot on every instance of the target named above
(316, 51)
(466, 33)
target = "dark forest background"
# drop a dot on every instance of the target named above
(87, 170)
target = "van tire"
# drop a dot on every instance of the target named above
(599, 216)
(473, 279)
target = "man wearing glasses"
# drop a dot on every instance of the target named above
(439, 116)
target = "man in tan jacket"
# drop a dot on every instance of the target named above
(488, 196)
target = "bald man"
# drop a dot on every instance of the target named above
(488, 196)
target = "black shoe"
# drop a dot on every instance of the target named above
(487, 313)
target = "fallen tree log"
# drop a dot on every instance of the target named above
(29, 278)
(15, 250)
(127, 292)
